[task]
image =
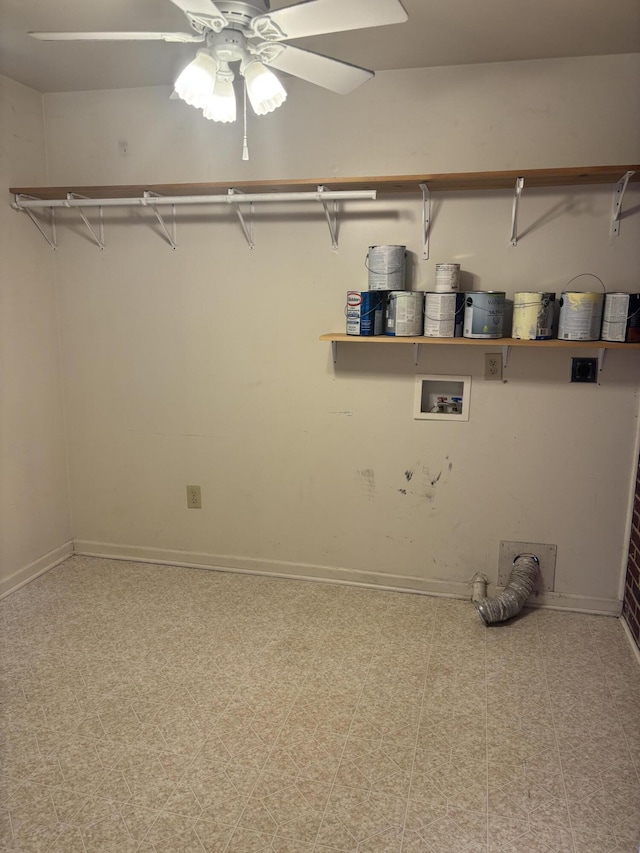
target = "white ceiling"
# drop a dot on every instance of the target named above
(439, 32)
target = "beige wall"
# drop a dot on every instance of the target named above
(203, 365)
(34, 500)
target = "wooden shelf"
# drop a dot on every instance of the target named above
(478, 342)
(390, 185)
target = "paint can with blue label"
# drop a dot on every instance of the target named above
(386, 266)
(580, 316)
(484, 314)
(404, 314)
(621, 318)
(443, 315)
(365, 312)
(533, 316)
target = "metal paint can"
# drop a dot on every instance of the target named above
(621, 318)
(447, 278)
(443, 315)
(386, 267)
(533, 315)
(404, 313)
(365, 313)
(484, 314)
(580, 316)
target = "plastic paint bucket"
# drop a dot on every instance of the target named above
(621, 318)
(386, 267)
(533, 316)
(443, 315)
(365, 313)
(580, 316)
(447, 278)
(484, 314)
(404, 313)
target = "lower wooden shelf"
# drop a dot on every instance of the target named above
(476, 342)
(504, 344)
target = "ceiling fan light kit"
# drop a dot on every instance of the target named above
(249, 33)
(195, 83)
(266, 92)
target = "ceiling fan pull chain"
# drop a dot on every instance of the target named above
(245, 147)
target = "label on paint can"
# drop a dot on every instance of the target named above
(484, 314)
(386, 267)
(364, 312)
(443, 315)
(533, 316)
(580, 316)
(447, 278)
(404, 314)
(621, 319)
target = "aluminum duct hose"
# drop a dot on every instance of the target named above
(511, 600)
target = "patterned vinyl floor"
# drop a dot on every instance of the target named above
(167, 710)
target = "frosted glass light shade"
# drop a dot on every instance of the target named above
(195, 83)
(221, 105)
(265, 91)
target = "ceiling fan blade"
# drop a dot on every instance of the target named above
(174, 37)
(333, 74)
(198, 7)
(203, 12)
(316, 17)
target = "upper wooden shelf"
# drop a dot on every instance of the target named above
(390, 185)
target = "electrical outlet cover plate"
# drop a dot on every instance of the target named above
(546, 554)
(493, 365)
(194, 497)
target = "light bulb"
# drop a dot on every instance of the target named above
(265, 91)
(221, 104)
(195, 83)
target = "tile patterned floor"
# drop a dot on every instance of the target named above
(152, 709)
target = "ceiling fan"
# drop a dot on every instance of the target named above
(248, 32)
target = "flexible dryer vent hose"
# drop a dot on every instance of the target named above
(511, 600)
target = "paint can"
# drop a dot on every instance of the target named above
(386, 267)
(484, 314)
(404, 313)
(621, 318)
(443, 315)
(447, 278)
(365, 313)
(533, 315)
(580, 316)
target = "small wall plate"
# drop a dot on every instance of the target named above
(584, 369)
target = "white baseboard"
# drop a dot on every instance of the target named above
(34, 570)
(329, 574)
(631, 638)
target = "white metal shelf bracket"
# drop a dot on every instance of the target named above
(416, 354)
(602, 354)
(331, 217)
(618, 195)
(514, 211)
(147, 200)
(505, 357)
(99, 239)
(247, 231)
(426, 220)
(17, 205)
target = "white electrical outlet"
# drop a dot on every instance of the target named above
(194, 497)
(492, 365)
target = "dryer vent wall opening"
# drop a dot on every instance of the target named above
(511, 600)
